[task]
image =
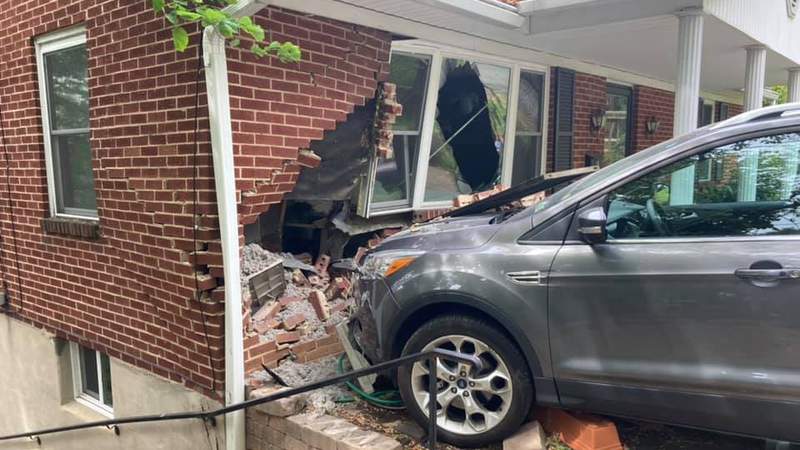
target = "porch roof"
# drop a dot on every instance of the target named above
(632, 37)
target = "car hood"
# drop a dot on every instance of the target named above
(444, 234)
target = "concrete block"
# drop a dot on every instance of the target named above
(529, 437)
(281, 408)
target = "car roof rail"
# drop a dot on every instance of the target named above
(757, 115)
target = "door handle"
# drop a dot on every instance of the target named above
(768, 274)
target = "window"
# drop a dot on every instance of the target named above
(468, 123)
(617, 143)
(64, 96)
(394, 176)
(705, 113)
(528, 133)
(91, 373)
(470, 129)
(753, 190)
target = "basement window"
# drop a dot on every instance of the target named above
(62, 67)
(91, 376)
(469, 122)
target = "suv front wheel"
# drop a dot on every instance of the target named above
(473, 408)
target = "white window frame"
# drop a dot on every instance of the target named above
(77, 383)
(437, 54)
(49, 43)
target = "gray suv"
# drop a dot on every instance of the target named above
(665, 287)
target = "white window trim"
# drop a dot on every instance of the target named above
(51, 42)
(437, 54)
(77, 383)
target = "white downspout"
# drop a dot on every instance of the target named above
(219, 117)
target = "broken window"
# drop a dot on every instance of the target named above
(469, 131)
(393, 176)
(458, 132)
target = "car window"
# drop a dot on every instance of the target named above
(748, 188)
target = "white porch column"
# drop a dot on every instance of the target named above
(753, 99)
(754, 77)
(794, 84)
(687, 93)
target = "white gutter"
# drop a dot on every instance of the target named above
(219, 117)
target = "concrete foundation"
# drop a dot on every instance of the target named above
(37, 393)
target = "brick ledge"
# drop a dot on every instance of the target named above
(80, 228)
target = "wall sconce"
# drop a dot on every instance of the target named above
(598, 120)
(652, 124)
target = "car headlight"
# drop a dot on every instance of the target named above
(386, 264)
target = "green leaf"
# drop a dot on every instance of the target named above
(252, 28)
(180, 38)
(172, 17)
(211, 16)
(185, 14)
(289, 52)
(158, 5)
(258, 50)
(235, 43)
(228, 28)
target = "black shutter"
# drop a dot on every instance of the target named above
(723, 111)
(563, 137)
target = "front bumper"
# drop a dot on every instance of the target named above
(376, 308)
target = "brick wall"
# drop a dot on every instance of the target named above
(278, 109)
(651, 102)
(129, 293)
(590, 95)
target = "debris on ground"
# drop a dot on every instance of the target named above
(295, 374)
(298, 320)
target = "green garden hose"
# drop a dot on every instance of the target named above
(383, 399)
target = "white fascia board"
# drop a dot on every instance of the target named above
(528, 7)
(219, 117)
(490, 11)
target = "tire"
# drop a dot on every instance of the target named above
(497, 413)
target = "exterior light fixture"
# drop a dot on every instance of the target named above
(598, 120)
(652, 124)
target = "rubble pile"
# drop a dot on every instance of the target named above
(299, 324)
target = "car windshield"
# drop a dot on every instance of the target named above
(567, 193)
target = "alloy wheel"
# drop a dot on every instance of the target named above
(468, 402)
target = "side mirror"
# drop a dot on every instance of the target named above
(592, 225)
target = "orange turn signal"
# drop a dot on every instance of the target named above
(398, 264)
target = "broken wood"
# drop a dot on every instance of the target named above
(357, 360)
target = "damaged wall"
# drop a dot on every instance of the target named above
(279, 109)
(130, 292)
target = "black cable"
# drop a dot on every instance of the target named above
(194, 213)
(7, 304)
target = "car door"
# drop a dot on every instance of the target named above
(690, 311)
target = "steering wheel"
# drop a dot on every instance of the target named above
(654, 211)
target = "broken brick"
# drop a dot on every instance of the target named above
(339, 287)
(298, 278)
(386, 232)
(338, 307)
(265, 325)
(322, 264)
(291, 322)
(374, 242)
(267, 311)
(308, 158)
(287, 337)
(320, 304)
(287, 300)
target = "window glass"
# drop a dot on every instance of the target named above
(68, 88)
(105, 370)
(528, 133)
(469, 131)
(73, 162)
(748, 188)
(616, 141)
(89, 380)
(393, 177)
